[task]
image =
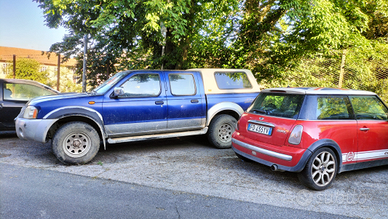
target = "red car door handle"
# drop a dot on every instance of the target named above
(364, 129)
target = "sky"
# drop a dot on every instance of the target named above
(22, 25)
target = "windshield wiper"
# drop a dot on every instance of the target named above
(259, 111)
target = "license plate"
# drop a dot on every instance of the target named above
(259, 129)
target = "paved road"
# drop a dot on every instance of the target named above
(189, 165)
(35, 193)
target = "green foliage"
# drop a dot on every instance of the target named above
(67, 83)
(28, 69)
(285, 42)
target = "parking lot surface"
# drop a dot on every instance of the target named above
(191, 165)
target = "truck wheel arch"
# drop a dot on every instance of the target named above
(84, 114)
(229, 108)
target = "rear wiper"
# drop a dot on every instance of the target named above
(259, 111)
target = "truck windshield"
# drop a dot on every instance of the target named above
(108, 84)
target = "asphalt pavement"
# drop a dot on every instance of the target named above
(36, 193)
(202, 181)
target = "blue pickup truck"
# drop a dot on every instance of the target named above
(140, 105)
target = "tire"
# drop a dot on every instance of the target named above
(220, 131)
(320, 170)
(76, 143)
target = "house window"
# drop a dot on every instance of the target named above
(5, 68)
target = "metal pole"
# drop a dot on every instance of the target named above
(59, 70)
(163, 30)
(14, 66)
(341, 78)
(84, 64)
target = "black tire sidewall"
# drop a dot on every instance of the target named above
(305, 176)
(75, 127)
(215, 125)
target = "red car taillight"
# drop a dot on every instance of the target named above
(296, 135)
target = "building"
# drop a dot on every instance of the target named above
(47, 63)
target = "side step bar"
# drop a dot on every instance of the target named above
(156, 136)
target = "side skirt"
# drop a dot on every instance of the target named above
(156, 136)
(363, 165)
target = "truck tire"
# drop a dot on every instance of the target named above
(220, 131)
(76, 143)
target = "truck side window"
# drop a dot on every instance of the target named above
(142, 85)
(182, 84)
(232, 80)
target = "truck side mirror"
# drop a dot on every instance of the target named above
(118, 91)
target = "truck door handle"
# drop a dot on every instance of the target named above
(194, 101)
(161, 102)
(364, 129)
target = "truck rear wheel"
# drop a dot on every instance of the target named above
(76, 143)
(220, 131)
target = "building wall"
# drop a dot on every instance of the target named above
(49, 63)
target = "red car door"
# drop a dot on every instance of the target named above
(372, 128)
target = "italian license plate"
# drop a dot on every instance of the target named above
(259, 129)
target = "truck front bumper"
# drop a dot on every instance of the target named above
(33, 129)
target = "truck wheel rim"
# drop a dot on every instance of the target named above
(323, 168)
(76, 145)
(225, 133)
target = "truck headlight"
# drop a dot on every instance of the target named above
(30, 113)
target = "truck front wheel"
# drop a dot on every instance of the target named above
(220, 131)
(76, 143)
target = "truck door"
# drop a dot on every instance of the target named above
(142, 109)
(186, 101)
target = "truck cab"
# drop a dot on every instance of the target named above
(139, 105)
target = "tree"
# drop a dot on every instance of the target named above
(272, 38)
(128, 32)
(28, 69)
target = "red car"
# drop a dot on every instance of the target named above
(316, 132)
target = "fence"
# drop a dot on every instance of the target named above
(340, 69)
(57, 75)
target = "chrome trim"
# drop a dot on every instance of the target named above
(262, 123)
(263, 151)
